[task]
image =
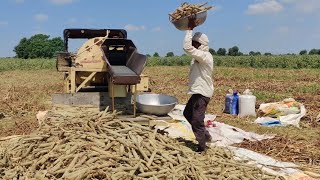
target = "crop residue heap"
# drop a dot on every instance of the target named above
(93, 145)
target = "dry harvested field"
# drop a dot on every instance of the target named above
(24, 92)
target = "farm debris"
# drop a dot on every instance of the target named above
(285, 149)
(187, 9)
(91, 145)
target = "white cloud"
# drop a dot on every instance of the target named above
(264, 7)
(41, 17)
(305, 6)
(309, 7)
(283, 29)
(130, 27)
(3, 23)
(61, 2)
(156, 29)
(290, 1)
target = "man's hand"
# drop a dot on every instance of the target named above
(192, 22)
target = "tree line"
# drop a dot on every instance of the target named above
(234, 51)
(41, 46)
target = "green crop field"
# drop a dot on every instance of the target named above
(7, 64)
(273, 61)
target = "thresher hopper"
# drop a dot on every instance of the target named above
(106, 62)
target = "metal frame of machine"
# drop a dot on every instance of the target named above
(107, 61)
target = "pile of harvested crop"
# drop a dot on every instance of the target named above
(187, 9)
(98, 146)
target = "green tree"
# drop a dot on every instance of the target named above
(156, 54)
(251, 53)
(20, 49)
(221, 51)
(56, 45)
(303, 52)
(314, 51)
(148, 55)
(38, 46)
(267, 54)
(170, 54)
(184, 54)
(212, 51)
(234, 51)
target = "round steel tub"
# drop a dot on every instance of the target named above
(157, 104)
(182, 23)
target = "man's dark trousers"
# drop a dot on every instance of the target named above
(194, 112)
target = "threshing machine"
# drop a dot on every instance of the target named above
(106, 62)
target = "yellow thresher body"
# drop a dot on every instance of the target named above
(106, 62)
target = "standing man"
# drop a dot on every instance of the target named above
(200, 83)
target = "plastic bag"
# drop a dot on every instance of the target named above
(288, 111)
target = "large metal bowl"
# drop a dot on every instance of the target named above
(156, 104)
(182, 23)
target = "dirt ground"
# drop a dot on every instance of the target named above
(24, 93)
(269, 85)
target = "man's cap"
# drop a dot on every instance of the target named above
(201, 38)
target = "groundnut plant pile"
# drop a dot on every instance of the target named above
(98, 145)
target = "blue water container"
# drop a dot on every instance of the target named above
(234, 104)
(227, 104)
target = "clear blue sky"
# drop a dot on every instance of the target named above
(276, 26)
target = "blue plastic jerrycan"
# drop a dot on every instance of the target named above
(234, 105)
(227, 103)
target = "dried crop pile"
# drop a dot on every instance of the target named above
(286, 150)
(98, 146)
(187, 9)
